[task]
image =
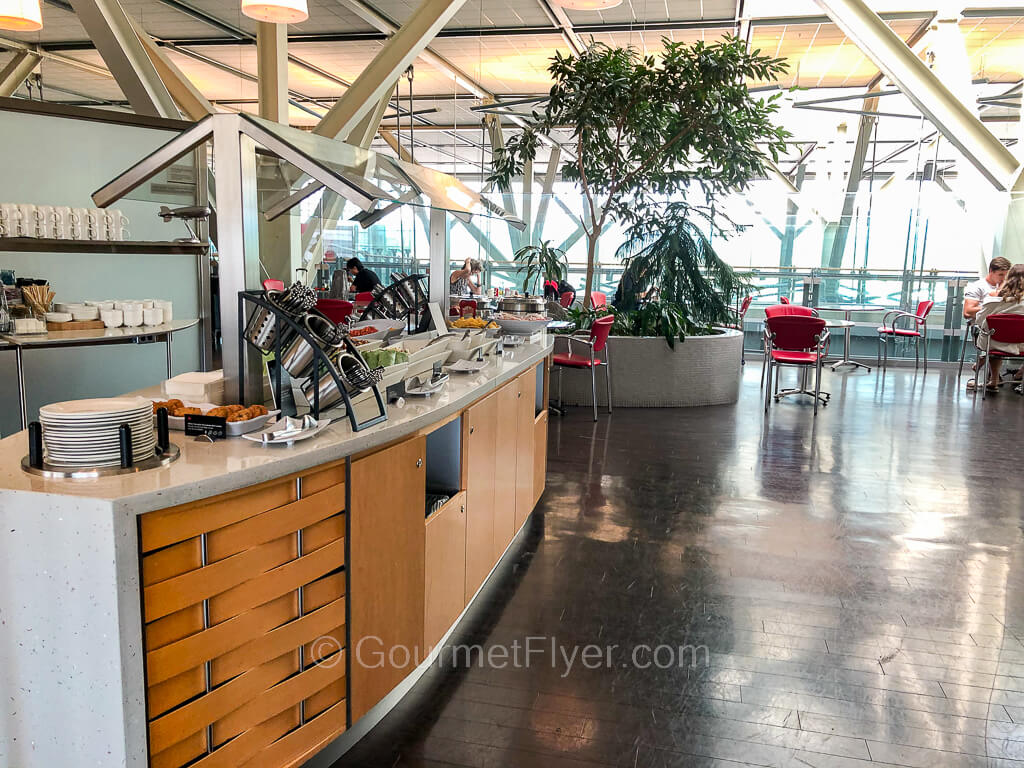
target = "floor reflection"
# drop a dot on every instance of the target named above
(854, 580)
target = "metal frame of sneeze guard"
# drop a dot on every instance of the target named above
(363, 177)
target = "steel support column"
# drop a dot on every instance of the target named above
(527, 217)
(380, 74)
(238, 240)
(955, 120)
(438, 251)
(18, 68)
(272, 71)
(125, 56)
(860, 150)
(545, 193)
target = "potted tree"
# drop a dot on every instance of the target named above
(648, 131)
(656, 140)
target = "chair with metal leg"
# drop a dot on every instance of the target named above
(780, 310)
(919, 333)
(597, 341)
(970, 333)
(740, 314)
(1003, 328)
(799, 341)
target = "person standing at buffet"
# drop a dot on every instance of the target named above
(363, 279)
(465, 281)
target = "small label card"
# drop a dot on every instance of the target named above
(213, 426)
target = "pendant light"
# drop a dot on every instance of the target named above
(21, 15)
(274, 11)
(587, 5)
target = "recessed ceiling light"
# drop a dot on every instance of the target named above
(587, 5)
(21, 15)
(275, 11)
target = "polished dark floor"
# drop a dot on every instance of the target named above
(857, 581)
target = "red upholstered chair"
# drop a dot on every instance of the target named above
(739, 314)
(338, 310)
(597, 341)
(783, 299)
(781, 310)
(598, 299)
(364, 298)
(1005, 328)
(467, 304)
(273, 285)
(566, 299)
(918, 332)
(799, 341)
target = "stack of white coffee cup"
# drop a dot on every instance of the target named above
(62, 222)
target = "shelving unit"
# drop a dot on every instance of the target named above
(126, 247)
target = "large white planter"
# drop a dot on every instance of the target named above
(647, 373)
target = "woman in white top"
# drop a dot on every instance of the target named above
(1009, 299)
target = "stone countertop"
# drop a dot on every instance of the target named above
(206, 469)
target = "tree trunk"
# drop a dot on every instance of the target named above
(591, 257)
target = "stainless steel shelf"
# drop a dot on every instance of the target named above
(50, 245)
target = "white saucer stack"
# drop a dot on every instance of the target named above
(85, 432)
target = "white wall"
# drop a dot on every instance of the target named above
(60, 161)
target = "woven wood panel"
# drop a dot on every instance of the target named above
(237, 593)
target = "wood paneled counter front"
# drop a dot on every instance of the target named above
(251, 606)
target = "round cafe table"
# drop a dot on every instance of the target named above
(847, 324)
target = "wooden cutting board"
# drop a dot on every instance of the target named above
(76, 325)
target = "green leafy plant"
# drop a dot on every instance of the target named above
(657, 318)
(647, 129)
(668, 256)
(583, 317)
(540, 262)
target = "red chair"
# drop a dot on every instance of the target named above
(783, 299)
(566, 299)
(598, 299)
(737, 323)
(781, 310)
(1005, 328)
(337, 310)
(798, 341)
(597, 341)
(465, 304)
(364, 298)
(919, 332)
(273, 285)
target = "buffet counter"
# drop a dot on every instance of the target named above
(202, 613)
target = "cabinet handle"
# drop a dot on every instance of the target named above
(462, 509)
(519, 394)
(419, 463)
(472, 430)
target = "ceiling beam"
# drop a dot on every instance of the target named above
(560, 19)
(84, 66)
(379, 76)
(110, 28)
(185, 94)
(18, 68)
(924, 89)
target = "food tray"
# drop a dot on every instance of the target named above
(382, 326)
(234, 428)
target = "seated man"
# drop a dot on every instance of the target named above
(976, 293)
(1009, 299)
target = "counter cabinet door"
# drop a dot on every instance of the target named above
(388, 498)
(526, 387)
(480, 440)
(445, 588)
(505, 469)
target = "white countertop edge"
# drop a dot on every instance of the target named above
(326, 448)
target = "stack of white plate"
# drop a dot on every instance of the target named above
(85, 432)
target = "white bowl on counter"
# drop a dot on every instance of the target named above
(58, 317)
(522, 327)
(85, 313)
